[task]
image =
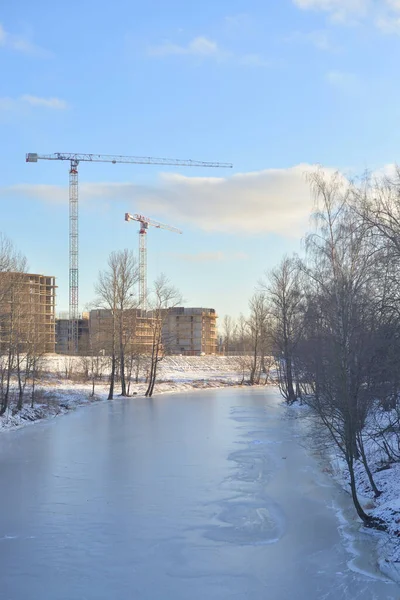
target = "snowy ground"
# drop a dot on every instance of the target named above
(386, 476)
(57, 394)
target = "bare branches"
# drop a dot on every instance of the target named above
(115, 289)
(284, 295)
(164, 297)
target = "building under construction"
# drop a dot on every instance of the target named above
(190, 331)
(137, 330)
(27, 310)
(63, 331)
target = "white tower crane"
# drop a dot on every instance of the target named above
(144, 225)
(74, 160)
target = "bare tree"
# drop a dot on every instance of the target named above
(164, 297)
(285, 300)
(228, 332)
(115, 291)
(258, 327)
(340, 270)
(12, 267)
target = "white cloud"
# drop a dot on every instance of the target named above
(254, 60)
(238, 22)
(319, 38)
(394, 5)
(340, 10)
(199, 46)
(210, 256)
(54, 103)
(22, 44)
(3, 36)
(384, 14)
(269, 201)
(203, 47)
(10, 104)
(348, 82)
(389, 25)
(52, 194)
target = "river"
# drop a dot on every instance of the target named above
(203, 496)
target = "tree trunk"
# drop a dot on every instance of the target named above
(137, 371)
(112, 378)
(152, 367)
(377, 492)
(33, 390)
(150, 380)
(122, 368)
(366, 519)
(254, 363)
(8, 380)
(289, 379)
(20, 387)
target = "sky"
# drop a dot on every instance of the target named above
(273, 87)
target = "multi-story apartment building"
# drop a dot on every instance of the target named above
(27, 310)
(137, 330)
(190, 331)
(62, 334)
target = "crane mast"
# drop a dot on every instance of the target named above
(73, 321)
(144, 225)
(74, 160)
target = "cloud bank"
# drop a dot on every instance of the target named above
(274, 201)
(383, 14)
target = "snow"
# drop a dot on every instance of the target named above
(57, 394)
(386, 476)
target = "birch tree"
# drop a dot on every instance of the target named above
(164, 296)
(115, 291)
(285, 300)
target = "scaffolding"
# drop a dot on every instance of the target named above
(191, 331)
(31, 298)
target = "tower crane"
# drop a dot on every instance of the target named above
(144, 225)
(74, 160)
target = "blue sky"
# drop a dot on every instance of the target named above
(272, 86)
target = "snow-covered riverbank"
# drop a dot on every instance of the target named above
(57, 394)
(386, 476)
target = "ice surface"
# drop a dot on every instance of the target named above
(154, 499)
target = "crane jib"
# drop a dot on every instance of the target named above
(75, 159)
(114, 159)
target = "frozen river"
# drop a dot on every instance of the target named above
(205, 496)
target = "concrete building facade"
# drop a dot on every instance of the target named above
(28, 302)
(190, 331)
(137, 330)
(62, 334)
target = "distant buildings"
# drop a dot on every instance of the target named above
(27, 311)
(137, 330)
(27, 315)
(190, 331)
(62, 334)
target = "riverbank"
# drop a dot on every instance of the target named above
(63, 387)
(386, 476)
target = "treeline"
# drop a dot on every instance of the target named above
(130, 337)
(331, 319)
(128, 343)
(22, 340)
